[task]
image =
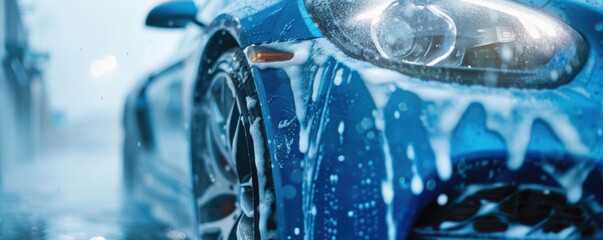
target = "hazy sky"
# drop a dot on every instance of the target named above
(77, 33)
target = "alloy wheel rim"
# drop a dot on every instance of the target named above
(226, 205)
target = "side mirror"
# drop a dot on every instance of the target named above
(172, 14)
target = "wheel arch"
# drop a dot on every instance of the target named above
(219, 42)
(223, 34)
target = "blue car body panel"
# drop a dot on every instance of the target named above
(278, 21)
(349, 202)
(283, 21)
(345, 197)
(351, 167)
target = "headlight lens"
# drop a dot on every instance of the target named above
(488, 42)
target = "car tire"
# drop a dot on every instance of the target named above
(230, 157)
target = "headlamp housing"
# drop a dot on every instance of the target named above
(486, 42)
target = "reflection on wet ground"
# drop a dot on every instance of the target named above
(72, 190)
(20, 220)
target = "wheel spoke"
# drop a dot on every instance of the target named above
(228, 98)
(217, 108)
(219, 118)
(214, 191)
(219, 175)
(235, 140)
(219, 164)
(224, 226)
(234, 127)
(223, 87)
(217, 126)
(234, 119)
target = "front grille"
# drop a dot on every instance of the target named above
(533, 212)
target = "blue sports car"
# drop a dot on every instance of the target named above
(374, 119)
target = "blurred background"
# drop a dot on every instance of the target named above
(67, 66)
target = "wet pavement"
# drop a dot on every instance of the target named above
(73, 189)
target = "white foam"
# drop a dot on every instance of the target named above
(571, 180)
(285, 123)
(316, 84)
(304, 139)
(416, 184)
(266, 197)
(410, 152)
(387, 185)
(338, 77)
(340, 130)
(387, 190)
(511, 115)
(251, 102)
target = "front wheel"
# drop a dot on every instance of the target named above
(230, 158)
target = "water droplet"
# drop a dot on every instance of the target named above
(442, 199)
(397, 115)
(370, 135)
(599, 27)
(506, 54)
(554, 75)
(403, 183)
(341, 128)
(431, 184)
(403, 107)
(416, 185)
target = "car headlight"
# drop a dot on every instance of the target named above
(486, 42)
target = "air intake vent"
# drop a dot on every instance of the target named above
(533, 212)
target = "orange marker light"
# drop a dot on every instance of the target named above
(265, 54)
